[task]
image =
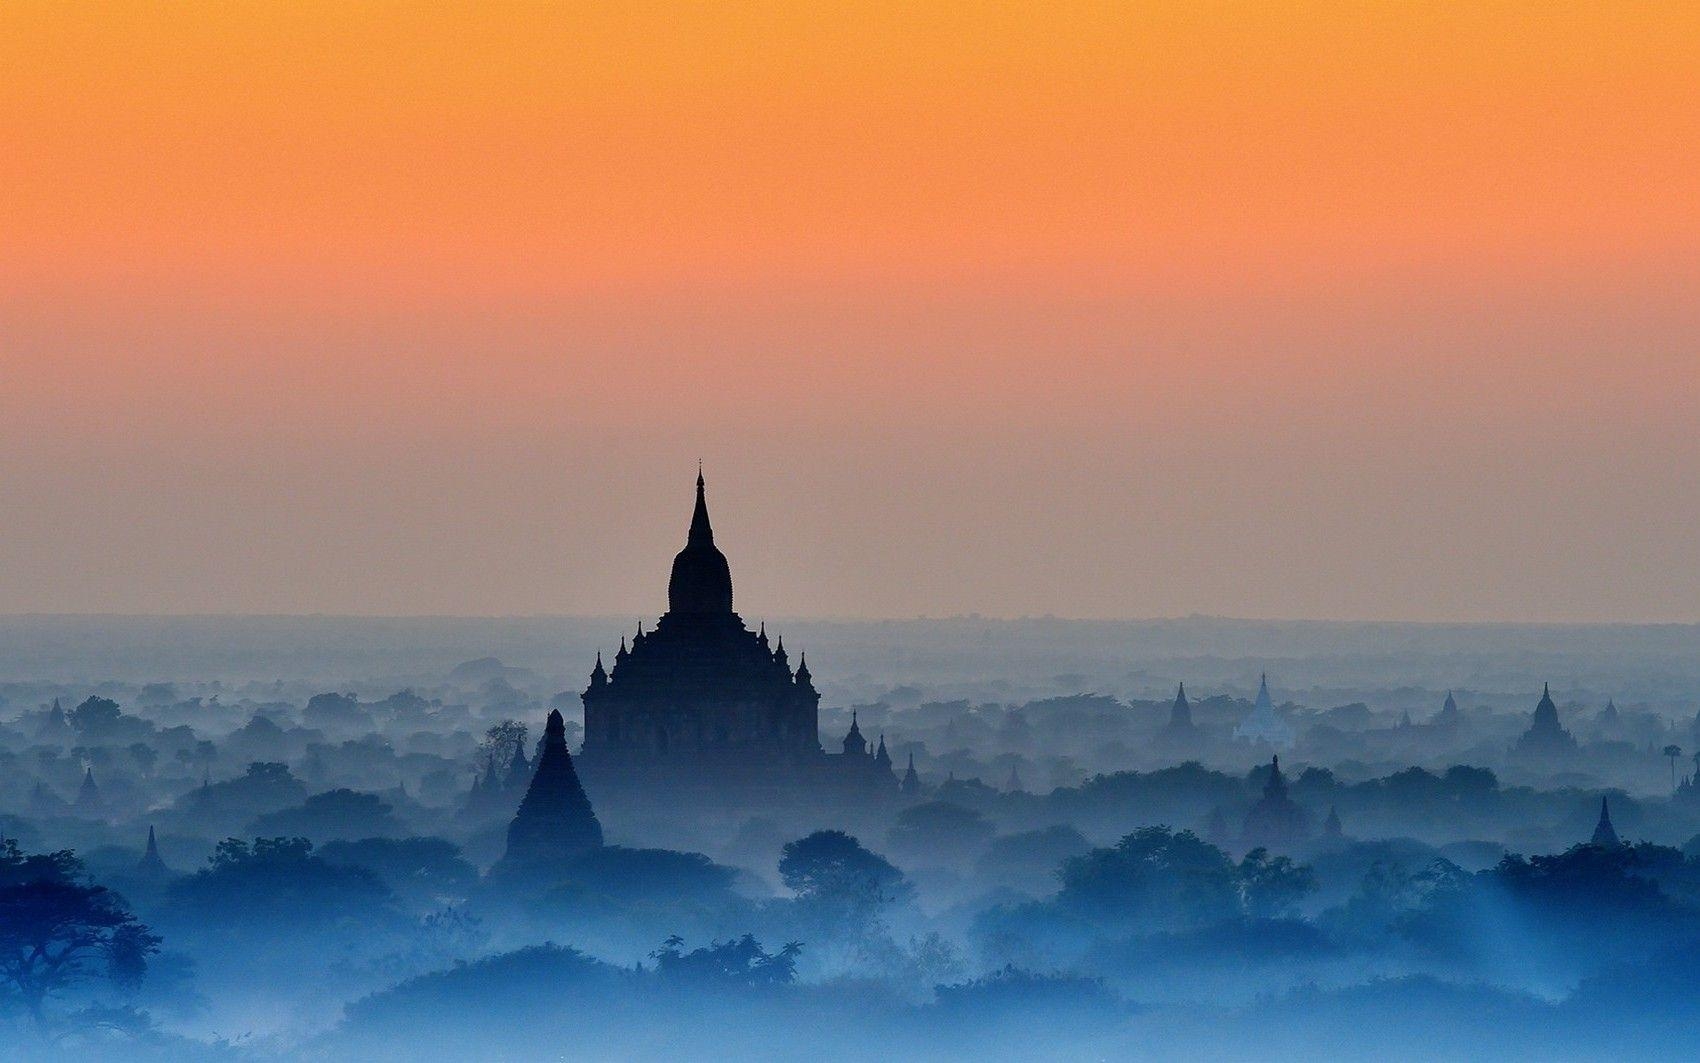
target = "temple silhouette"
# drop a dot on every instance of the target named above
(555, 821)
(1546, 737)
(701, 702)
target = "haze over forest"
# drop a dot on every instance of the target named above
(1193, 551)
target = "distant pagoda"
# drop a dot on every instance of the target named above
(1180, 730)
(1605, 835)
(555, 822)
(151, 867)
(1276, 821)
(89, 803)
(1545, 736)
(1263, 723)
(911, 784)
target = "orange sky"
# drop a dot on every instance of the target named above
(1255, 309)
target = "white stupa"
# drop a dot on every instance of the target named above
(1263, 723)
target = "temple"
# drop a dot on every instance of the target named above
(555, 822)
(701, 701)
(1546, 737)
(1276, 821)
(1605, 835)
(152, 867)
(1263, 723)
(1180, 731)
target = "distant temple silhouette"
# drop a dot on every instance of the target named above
(1448, 716)
(701, 701)
(1545, 736)
(1180, 731)
(90, 804)
(1276, 821)
(1605, 835)
(152, 867)
(1263, 723)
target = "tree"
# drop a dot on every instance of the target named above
(1271, 886)
(277, 884)
(95, 715)
(499, 742)
(55, 931)
(1673, 752)
(345, 814)
(424, 871)
(940, 829)
(334, 711)
(831, 868)
(1153, 878)
(739, 962)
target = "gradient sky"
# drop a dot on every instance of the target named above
(1273, 310)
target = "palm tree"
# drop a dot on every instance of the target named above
(1673, 752)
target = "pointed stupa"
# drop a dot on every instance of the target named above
(1331, 827)
(701, 582)
(555, 821)
(88, 796)
(882, 759)
(1263, 723)
(1180, 715)
(151, 866)
(1013, 785)
(854, 743)
(1448, 714)
(1605, 835)
(911, 781)
(805, 678)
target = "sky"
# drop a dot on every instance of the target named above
(1353, 311)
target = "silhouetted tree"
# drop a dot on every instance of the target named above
(499, 742)
(1152, 878)
(341, 813)
(1271, 886)
(94, 716)
(832, 868)
(940, 829)
(739, 962)
(54, 930)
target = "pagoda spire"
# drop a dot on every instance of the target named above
(701, 582)
(151, 864)
(1605, 835)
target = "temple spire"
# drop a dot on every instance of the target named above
(1605, 835)
(151, 865)
(702, 532)
(701, 580)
